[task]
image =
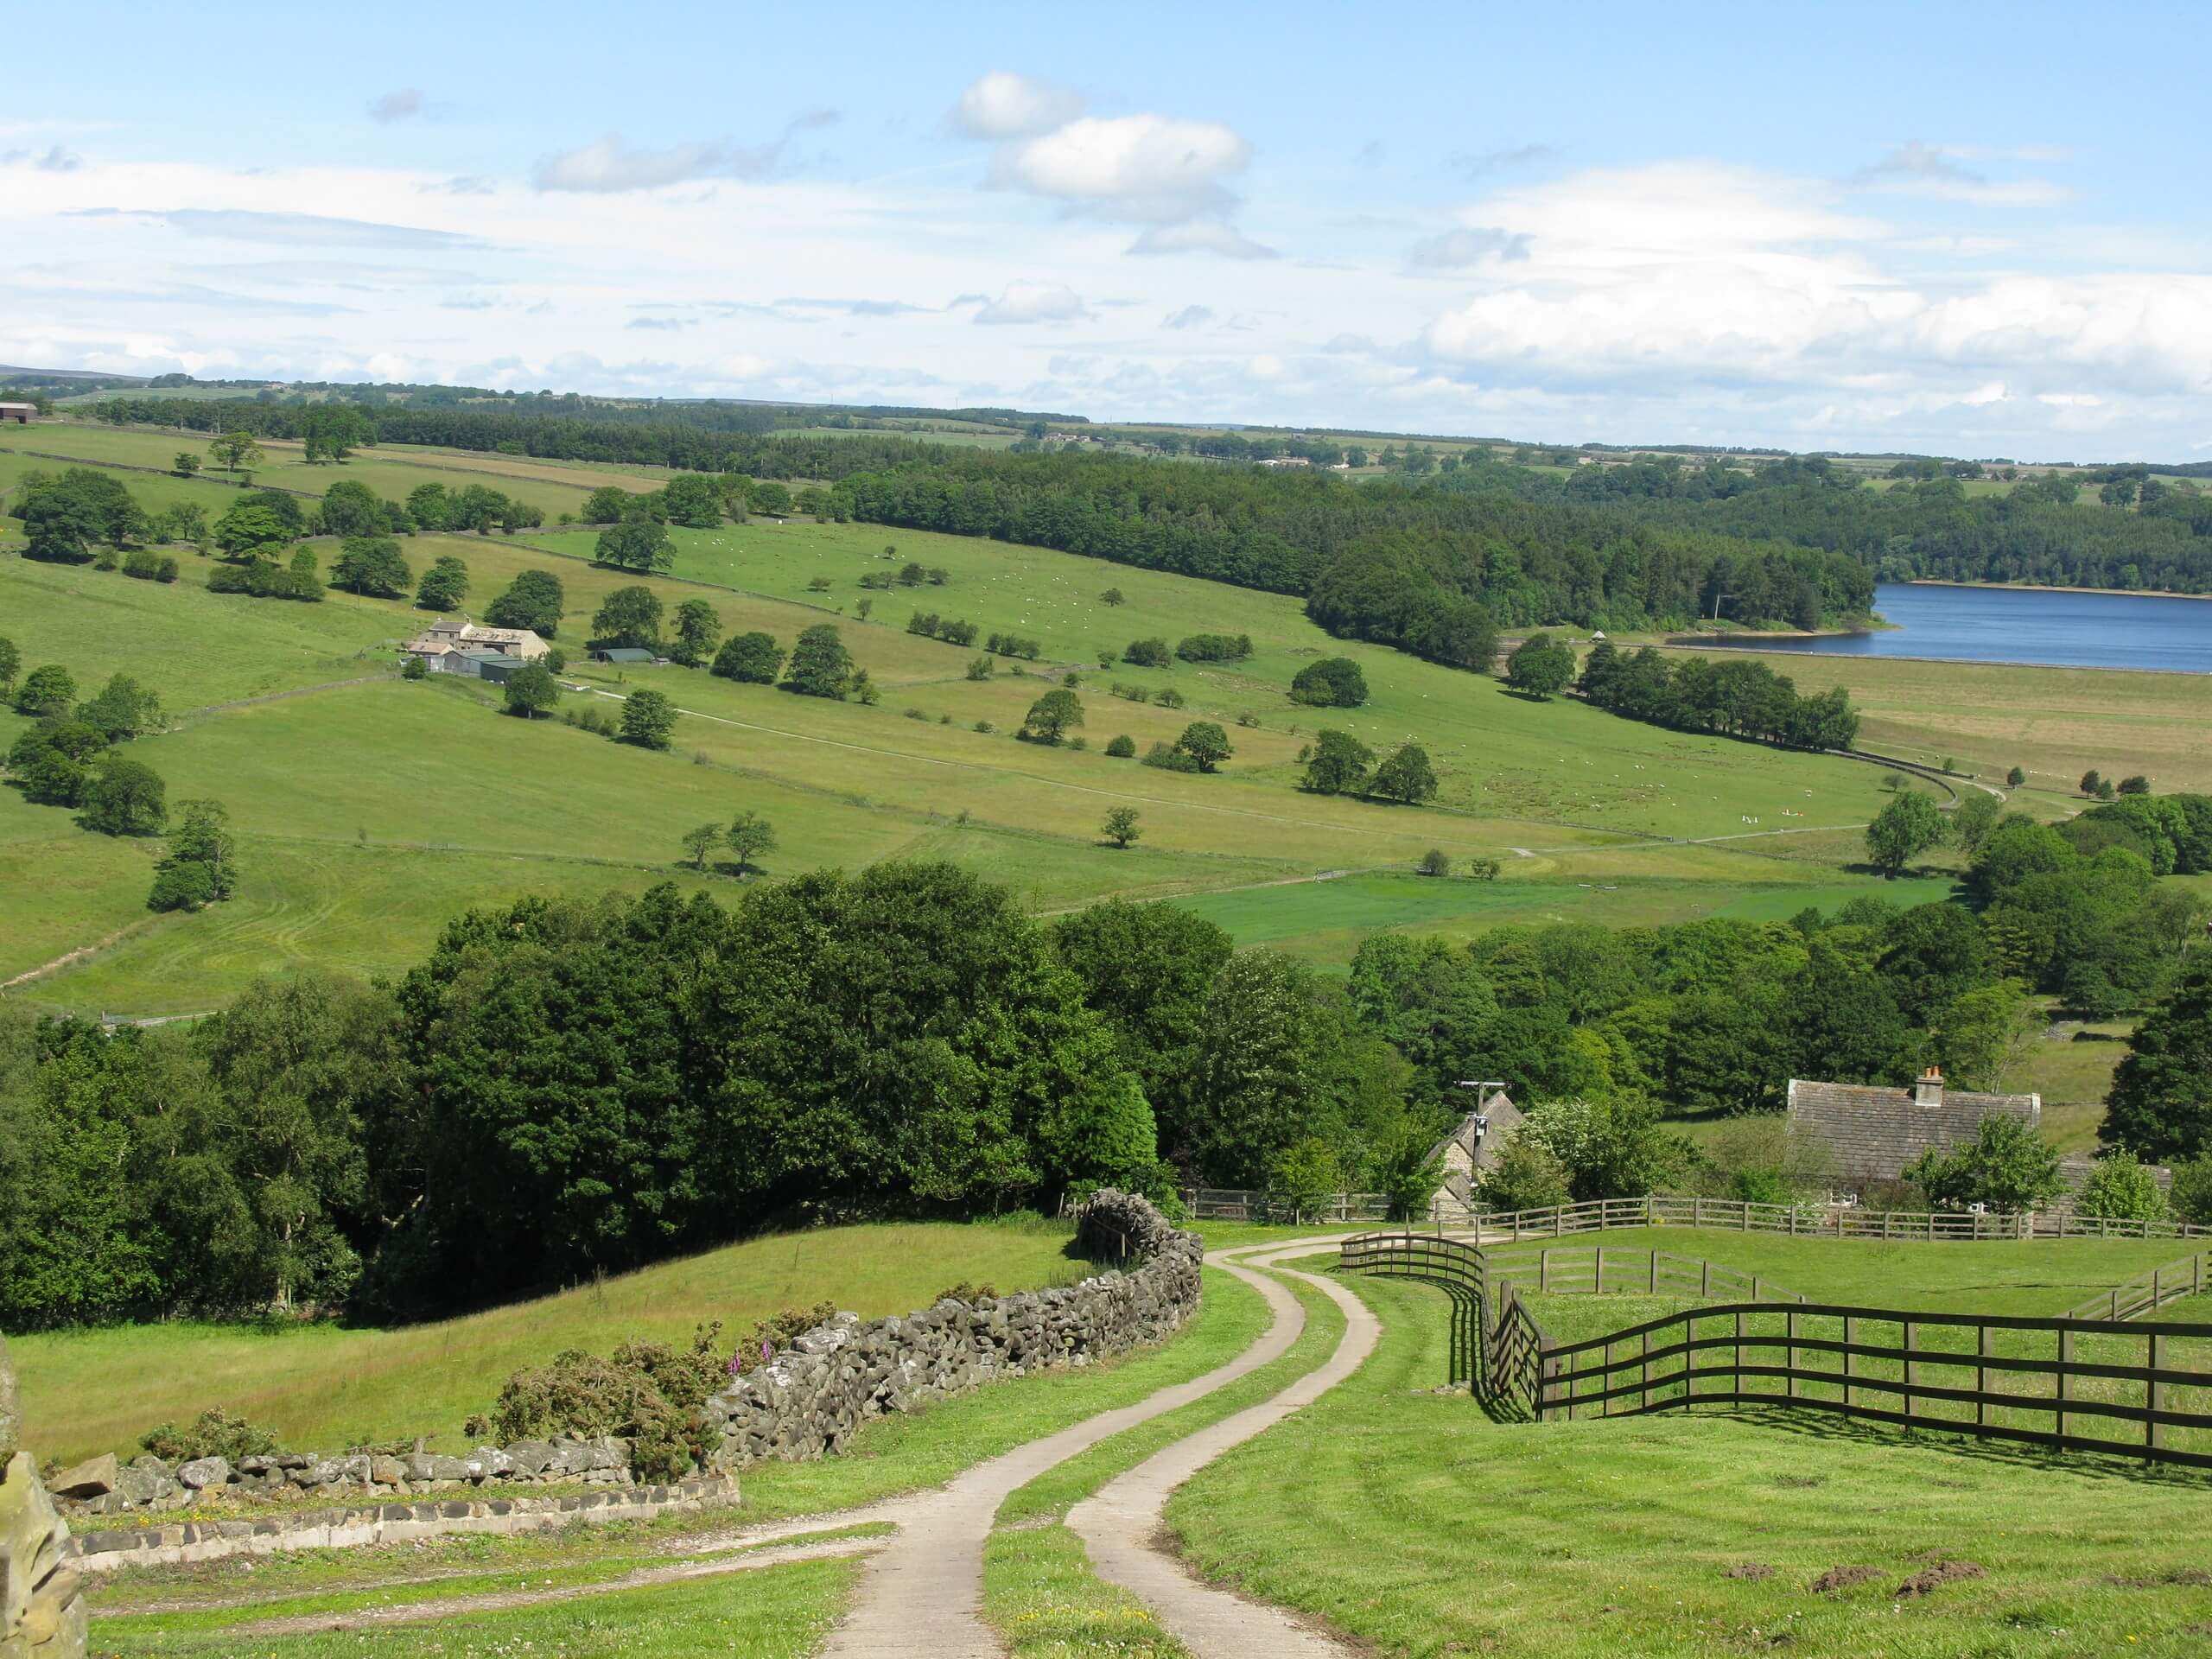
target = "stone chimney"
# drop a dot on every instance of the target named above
(1928, 1088)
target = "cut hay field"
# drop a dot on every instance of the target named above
(392, 471)
(321, 1386)
(2055, 723)
(370, 810)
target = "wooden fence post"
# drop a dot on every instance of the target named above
(1689, 1361)
(2065, 1378)
(2153, 1400)
(1697, 1212)
(1981, 1377)
(1655, 1273)
(1910, 1333)
(1850, 1334)
(1707, 1289)
(1598, 1278)
(1643, 1377)
(1544, 1272)
(1789, 1336)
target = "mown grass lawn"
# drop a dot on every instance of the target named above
(1412, 1521)
(2040, 1277)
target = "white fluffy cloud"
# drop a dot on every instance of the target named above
(1153, 168)
(1703, 274)
(1002, 104)
(1165, 173)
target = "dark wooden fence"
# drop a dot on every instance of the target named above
(2078, 1382)
(2071, 1384)
(1497, 1344)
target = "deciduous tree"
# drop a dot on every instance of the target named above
(749, 835)
(752, 658)
(698, 629)
(531, 690)
(820, 666)
(1336, 763)
(1901, 831)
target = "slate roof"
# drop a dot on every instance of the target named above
(1503, 1118)
(1872, 1133)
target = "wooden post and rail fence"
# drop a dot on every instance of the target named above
(2098, 1379)
(1795, 1221)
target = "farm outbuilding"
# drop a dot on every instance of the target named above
(19, 413)
(630, 656)
(492, 665)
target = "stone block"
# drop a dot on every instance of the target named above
(93, 1478)
(203, 1472)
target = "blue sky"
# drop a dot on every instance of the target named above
(1964, 229)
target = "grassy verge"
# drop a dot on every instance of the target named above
(1039, 1589)
(1414, 1521)
(780, 1612)
(556, 1568)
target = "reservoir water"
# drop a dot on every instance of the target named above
(2027, 625)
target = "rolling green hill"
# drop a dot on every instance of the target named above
(371, 810)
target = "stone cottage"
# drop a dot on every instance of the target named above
(1868, 1133)
(1468, 1151)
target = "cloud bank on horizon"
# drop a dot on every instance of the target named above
(1141, 245)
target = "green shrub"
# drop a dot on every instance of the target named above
(964, 1291)
(1122, 747)
(214, 1434)
(648, 1392)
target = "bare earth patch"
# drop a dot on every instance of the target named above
(1933, 1578)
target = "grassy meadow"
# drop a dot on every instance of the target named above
(87, 1391)
(370, 809)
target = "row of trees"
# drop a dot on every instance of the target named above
(1733, 697)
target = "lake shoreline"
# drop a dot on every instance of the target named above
(2038, 587)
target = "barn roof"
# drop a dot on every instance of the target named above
(1873, 1132)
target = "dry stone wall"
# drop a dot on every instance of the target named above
(103, 1486)
(809, 1398)
(804, 1401)
(42, 1611)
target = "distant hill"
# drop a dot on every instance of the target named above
(15, 375)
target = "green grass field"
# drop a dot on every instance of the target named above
(321, 1386)
(370, 811)
(1410, 1520)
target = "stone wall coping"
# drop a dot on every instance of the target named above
(176, 1542)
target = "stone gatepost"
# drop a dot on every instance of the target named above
(42, 1612)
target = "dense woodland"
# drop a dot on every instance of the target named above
(566, 1087)
(2138, 533)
